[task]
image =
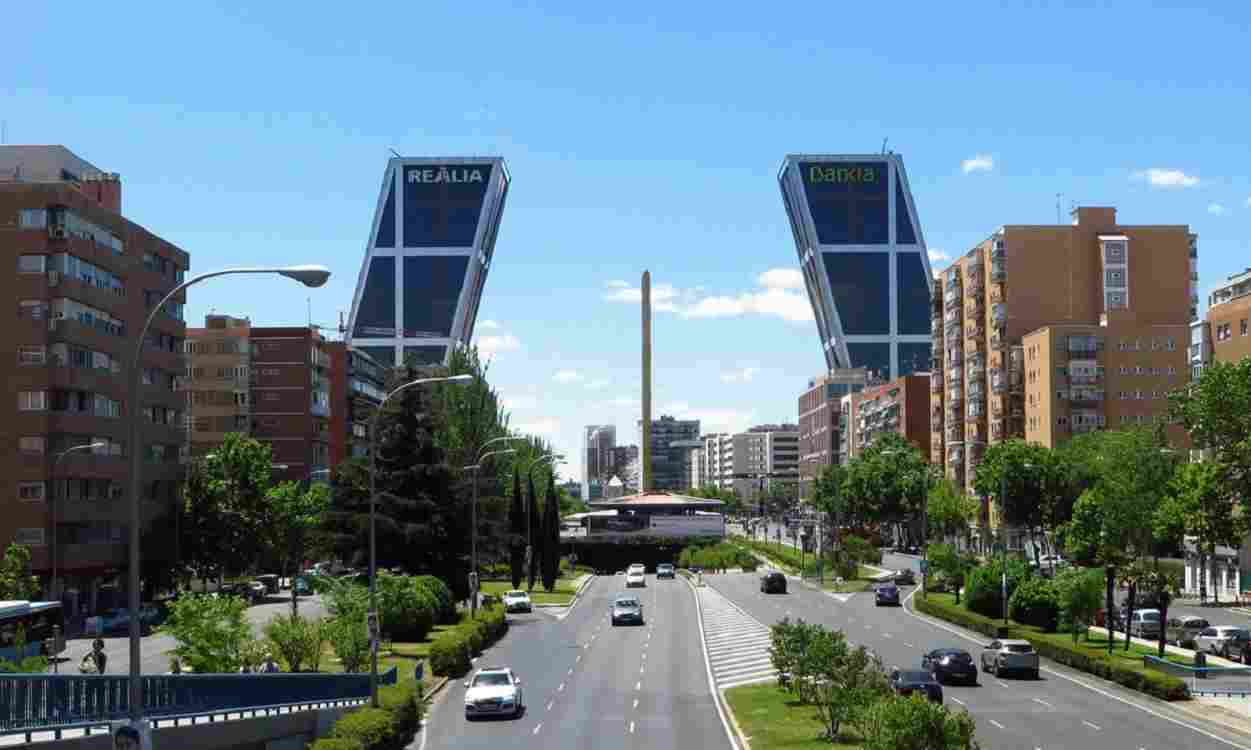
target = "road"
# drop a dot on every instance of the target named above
(588, 685)
(154, 658)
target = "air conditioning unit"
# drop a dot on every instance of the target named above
(54, 278)
(57, 232)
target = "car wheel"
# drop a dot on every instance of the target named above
(1036, 675)
(994, 668)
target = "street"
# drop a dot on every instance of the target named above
(590, 685)
(154, 658)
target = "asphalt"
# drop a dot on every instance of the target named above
(1052, 712)
(589, 685)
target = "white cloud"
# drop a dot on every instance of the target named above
(566, 376)
(618, 284)
(623, 402)
(489, 325)
(663, 295)
(598, 384)
(1217, 209)
(1166, 178)
(937, 256)
(979, 163)
(520, 402)
(711, 419)
(547, 427)
(739, 376)
(489, 346)
(781, 278)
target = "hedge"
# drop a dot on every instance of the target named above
(372, 728)
(452, 650)
(1059, 648)
(389, 727)
(336, 743)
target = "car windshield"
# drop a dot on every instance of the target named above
(1018, 648)
(953, 653)
(515, 593)
(494, 679)
(1151, 616)
(627, 602)
(1238, 634)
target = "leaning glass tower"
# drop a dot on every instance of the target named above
(430, 247)
(863, 258)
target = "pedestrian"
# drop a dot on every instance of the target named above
(100, 658)
(270, 666)
(127, 738)
(175, 666)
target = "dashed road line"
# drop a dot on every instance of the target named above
(992, 721)
(1042, 702)
(957, 700)
(537, 728)
(1095, 727)
(550, 704)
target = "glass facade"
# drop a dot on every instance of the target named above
(386, 225)
(912, 296)
(442, 203)
(432, 285)
(375, 315)
(914, 357)
(903, 222)
(848, 201)
(420, 356)
(860, 283)
(874, 357)
(383, 355)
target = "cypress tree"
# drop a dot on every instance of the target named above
(536, 534)
(517, 532)
(551, 537)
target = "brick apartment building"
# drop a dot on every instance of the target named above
(272, 383)
(357, 385)
(900, 406)
(1041, 332)
(84, 279)
(820, 412)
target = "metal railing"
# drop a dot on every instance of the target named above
(1195, 673)
(49, 702)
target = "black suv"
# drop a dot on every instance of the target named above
(773, 583)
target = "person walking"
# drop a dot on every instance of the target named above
(270, 666)
(98, 656)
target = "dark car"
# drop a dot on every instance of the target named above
(907, 682)
(773, 582)
(664, 570)
(886, 593)
(905, 578)
(626, 608)
(954, 664)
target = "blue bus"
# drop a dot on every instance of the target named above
(38, 623)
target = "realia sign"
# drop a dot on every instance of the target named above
(446, 174)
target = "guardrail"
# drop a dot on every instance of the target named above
(1195, 673)
(43, 702)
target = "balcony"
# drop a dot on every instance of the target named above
(976, 390)
(319, 410)
(952, 316)
(974, 332)
(997, 271)
(955, 457)
(976, 374)
(954, 435)
(1085, 379)
(955, 373)
(999, 382)
(998, 336)
(936, 383)
(998, 312)
(997, 252)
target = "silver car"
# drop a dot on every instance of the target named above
(1222, 640)
(493, 692)
(1008, 655)
(1145, 623)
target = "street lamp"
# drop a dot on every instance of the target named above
(373, 506)
(311, 276)
(52, 587)
(473, 522)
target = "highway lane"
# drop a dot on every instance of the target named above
(1011, 713)
(589, 685)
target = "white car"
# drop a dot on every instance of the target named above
(493, 692)
(517, 601)
(635, 578)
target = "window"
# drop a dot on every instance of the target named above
(32, 218)
(32, 400)
(1171, 344)
(1172, 370)
(1138, 395)
(33, 444)
(29, 537)
(31, 492)
(32, 355)
(35, 309)
(1139, 370)
(271, 396)
(1060, 395)
(1242, 327)
(32, 263)
(1124, 419)
(859, 282)
(1062, 420)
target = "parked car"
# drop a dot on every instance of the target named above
(257, 590)
(953, 664)
(1183, 630)
(886, 593)
(270, 581)
(664, 570)
(907, 682)
(1222, 640)
(1009, 655)
(773, 582)
(517, 601)
(905, 577)
(1145, 623)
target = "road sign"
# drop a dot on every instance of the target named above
(925, 566)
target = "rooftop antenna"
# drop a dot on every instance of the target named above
(884, 140)
(397, 153)
(1058, 197)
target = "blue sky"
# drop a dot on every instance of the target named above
(644, 137)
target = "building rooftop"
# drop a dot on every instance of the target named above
(655, 498)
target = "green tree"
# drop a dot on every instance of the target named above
(16, 581)
(1080, 592)
(551, 538)
(1216, 411)
(947, 560)
(950, 510)
(295, 511)
(297, 640)
(535, 530)
(887, 484)
(517, 530)
(1025, 480)
(212, 631)
(1198, 505)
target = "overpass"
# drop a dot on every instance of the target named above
(37, 707)
(649, 528)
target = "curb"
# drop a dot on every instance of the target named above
(586, 580)
(743, 740)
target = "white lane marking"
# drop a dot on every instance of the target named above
(579, 658)
(640, 670)
(1042, 702)
(909, 645)
(561, 689)
(631, 727)
(549, 705)
(957, 700)
(1092, 726)
(717, 699)
(638, 685)
(868, 627)
(1001, 683)
(571, 670)
(886, 635)
(636, 703)
(1093, 688)
(537, 728)
(644, 655)
(992, 721)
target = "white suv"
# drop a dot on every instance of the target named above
(492, 692)
(636, 576)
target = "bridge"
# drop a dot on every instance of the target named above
(52, 706)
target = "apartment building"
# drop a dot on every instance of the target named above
(84, 280)
(747, 462)
(357, 386)
(1080, 292)
(1229, 310)
(900, 406)
(272, 383)
(820, 415)
(671, 443)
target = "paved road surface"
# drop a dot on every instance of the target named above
(590, 686)
(1048, 713)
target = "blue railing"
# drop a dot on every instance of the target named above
(43, 702)
(1194, 674)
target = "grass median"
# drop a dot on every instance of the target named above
(774, 720)
(562, 594)
(1088, 654)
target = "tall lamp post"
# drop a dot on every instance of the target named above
(53, 589)
(473, 534)
(311, 276)
(373, 506)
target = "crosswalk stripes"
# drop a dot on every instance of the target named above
(738, 645)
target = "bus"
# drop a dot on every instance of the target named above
(38, 623)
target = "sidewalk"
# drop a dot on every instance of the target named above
(1213, 661)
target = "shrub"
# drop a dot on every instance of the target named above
(212, 632)
(1035, 602)
(445, 611)
(917, 724)
(297, 640)
(861, 550)
(349, 638)
(449, 654)
(336, 743)
(373, 728)
(406, 703)
(407, 612)
(983, 585)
